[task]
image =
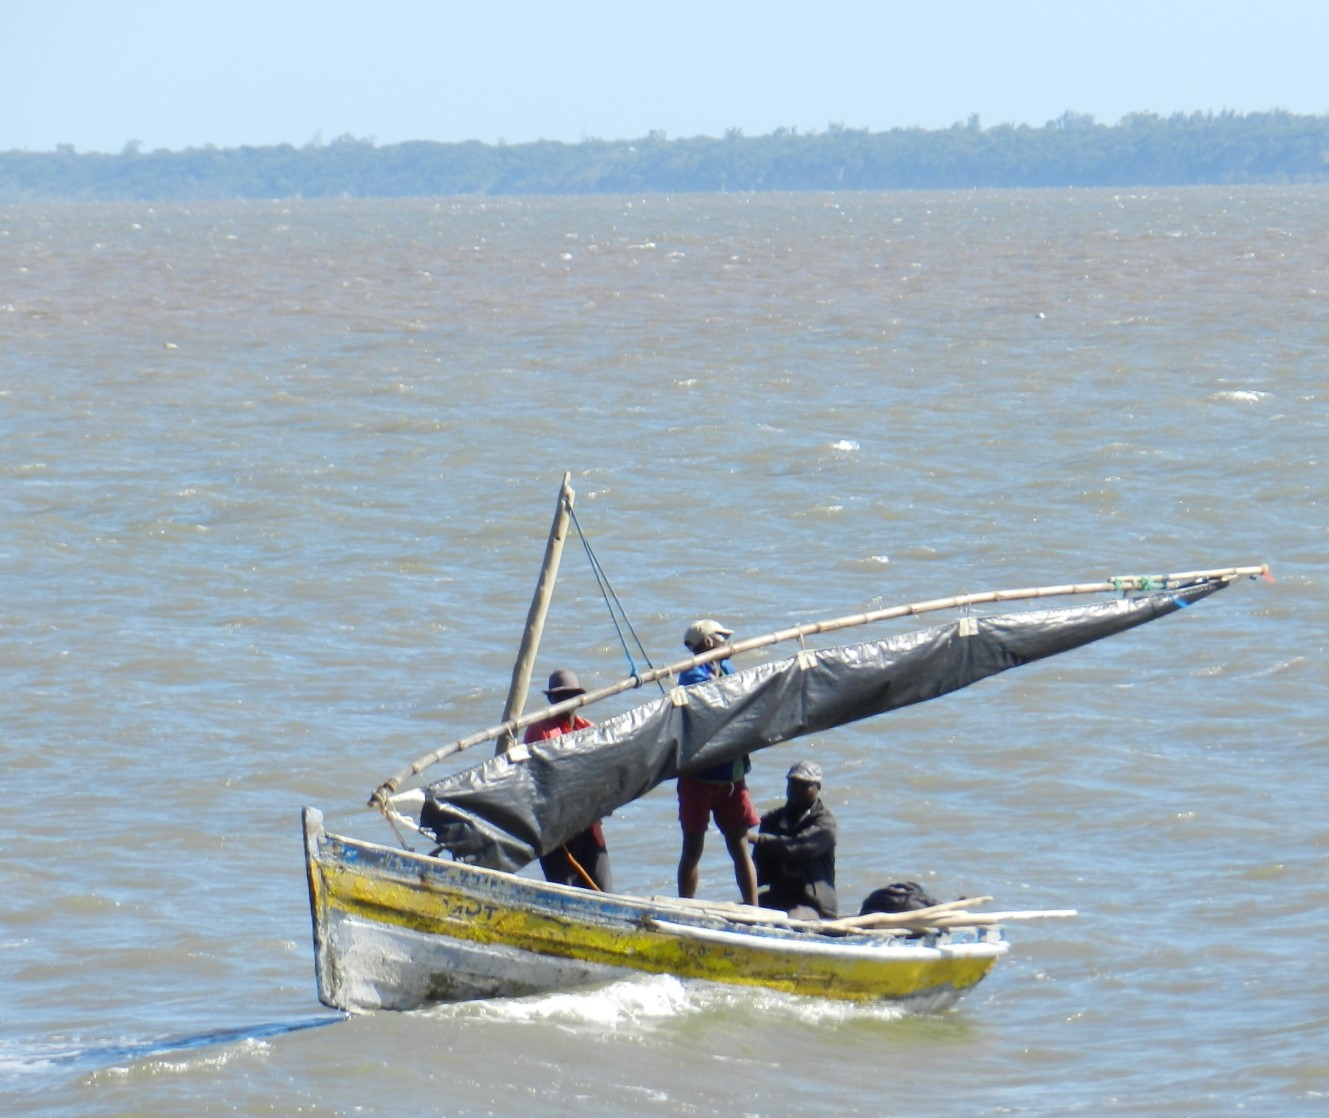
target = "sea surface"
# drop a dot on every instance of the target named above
(275, 481)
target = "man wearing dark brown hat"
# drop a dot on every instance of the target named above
(584, 859)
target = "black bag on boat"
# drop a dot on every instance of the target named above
(903, 896)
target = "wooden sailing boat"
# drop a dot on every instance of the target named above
(396, 928)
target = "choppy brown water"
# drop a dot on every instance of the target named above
(275, 481)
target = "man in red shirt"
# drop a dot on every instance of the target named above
(584, 859)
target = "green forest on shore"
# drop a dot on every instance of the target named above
(1074, 150)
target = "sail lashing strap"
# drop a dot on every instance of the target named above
(617, 614)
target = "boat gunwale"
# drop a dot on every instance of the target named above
(673, 915)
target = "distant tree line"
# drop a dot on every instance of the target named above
(1141, 150)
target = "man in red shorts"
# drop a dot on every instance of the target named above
(720, 792)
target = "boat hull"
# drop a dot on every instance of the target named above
(397, 930)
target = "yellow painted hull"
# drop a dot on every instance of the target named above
(395, 930)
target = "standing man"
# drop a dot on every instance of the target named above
(795, 849)
(584, 859)
(720, 792)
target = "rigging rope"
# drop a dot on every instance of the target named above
(615, 607)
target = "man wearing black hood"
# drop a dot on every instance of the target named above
(795, 850)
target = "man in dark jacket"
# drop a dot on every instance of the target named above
(795, 849)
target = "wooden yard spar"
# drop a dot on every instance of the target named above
(511, 725)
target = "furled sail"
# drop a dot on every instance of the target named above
(517, 806)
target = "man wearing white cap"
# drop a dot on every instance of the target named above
(720, 792)
(701, 637)
(795, 849)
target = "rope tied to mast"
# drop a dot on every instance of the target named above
(617, 614)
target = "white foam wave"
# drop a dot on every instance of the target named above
(632, 1000)
(1240, 396)
(1293, 663)
(644, 1001)
(161, 1066)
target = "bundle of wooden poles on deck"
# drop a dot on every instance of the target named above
(938, 917)
(948, 914)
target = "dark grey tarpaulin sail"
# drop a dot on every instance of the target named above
(510, 810)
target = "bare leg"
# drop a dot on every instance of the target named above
(688, 872)
(745, 873)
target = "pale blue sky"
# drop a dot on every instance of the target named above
(186, 73)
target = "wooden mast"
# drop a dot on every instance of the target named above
(535, 619)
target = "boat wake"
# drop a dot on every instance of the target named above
(75, 1054)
